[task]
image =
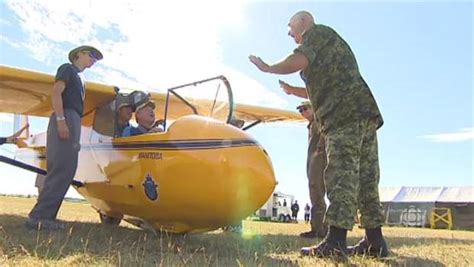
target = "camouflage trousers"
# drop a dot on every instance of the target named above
(352, 175)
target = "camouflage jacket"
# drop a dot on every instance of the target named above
(337, 91)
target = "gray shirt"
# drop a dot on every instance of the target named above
(74, 92)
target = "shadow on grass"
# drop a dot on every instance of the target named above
(399, 260)
(96, 243)
(292, 243)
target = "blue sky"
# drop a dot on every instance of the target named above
(416, 57)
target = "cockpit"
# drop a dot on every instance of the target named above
(109, 119)
(210, 98)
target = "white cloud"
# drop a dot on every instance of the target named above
(9, 42)
(147, 45)
(465, 134)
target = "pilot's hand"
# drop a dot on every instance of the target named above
(158, 123)
(286, 87)
(13, 138)
(155, 130)
(63, 130)
(261, 65)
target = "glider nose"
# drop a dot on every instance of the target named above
(253, 183)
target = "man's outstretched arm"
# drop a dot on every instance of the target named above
(293, 90)
(291, 64)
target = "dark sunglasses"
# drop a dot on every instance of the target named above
(92, 55)
(301, 109)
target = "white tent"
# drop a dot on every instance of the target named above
(460, 201)
(463, 194)
(413, 206)
(387, 194)
(418, 194)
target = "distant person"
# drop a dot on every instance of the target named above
(145, 117)
(307, 213)
(63, 137)
(284, 202)
(315, 165)
(349, 117)
(295, 208)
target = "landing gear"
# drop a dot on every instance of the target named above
(104, 219)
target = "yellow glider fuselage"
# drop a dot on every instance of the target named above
(207, 174)
(199, 175)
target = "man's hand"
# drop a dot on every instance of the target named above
(286, 87)
(155, 130)
(63, 130)
(13, 138)
(261, 65)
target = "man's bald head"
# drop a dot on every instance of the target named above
(303, 16)
(300, 22)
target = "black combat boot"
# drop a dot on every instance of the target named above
(333, 245)
(314, 234)
(372, 245)
(309, 234)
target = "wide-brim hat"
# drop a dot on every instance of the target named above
(150, 103)
(306, 103)
(95, 52)
(121, 105)
(124, 100)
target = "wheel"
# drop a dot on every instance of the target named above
(109, 220)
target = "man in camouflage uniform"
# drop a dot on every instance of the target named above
(348, 117)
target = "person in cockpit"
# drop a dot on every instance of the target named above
(125, 111)
(146, 119)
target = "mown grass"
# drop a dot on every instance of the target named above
(87, 242)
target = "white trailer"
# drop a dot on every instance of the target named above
(277, 208)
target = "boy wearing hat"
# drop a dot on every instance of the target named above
(315, 164)
(125, 111)
(64, 131)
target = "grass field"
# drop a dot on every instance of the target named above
(87, 242)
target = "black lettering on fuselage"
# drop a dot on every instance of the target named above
(150, 155)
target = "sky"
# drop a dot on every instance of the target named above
(416, 58)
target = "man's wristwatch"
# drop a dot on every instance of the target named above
(60, 118)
